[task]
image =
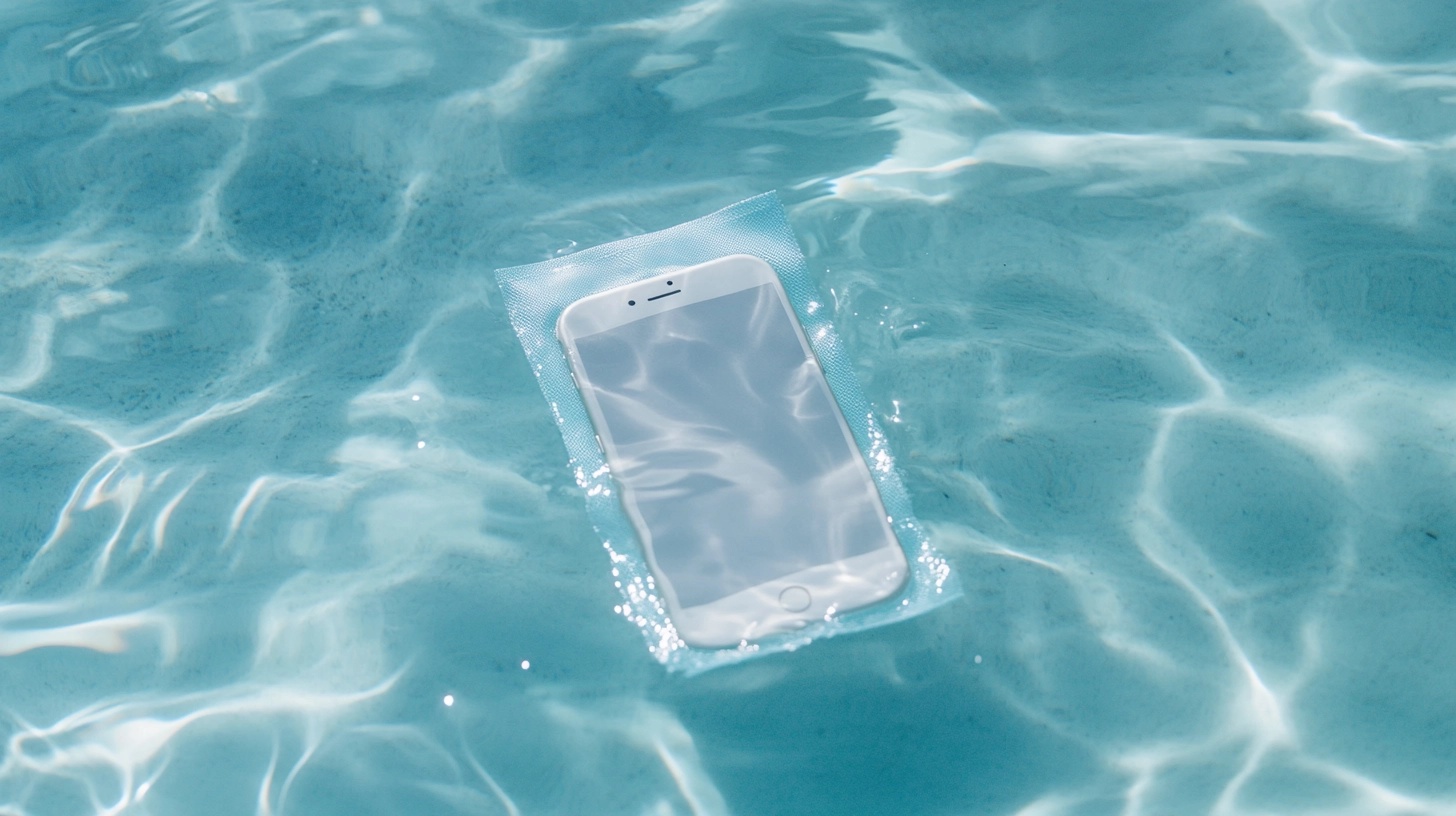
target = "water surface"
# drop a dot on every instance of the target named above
(1157, 301)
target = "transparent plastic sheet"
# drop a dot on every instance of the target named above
(742, 512)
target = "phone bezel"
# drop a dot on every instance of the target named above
(835, 587)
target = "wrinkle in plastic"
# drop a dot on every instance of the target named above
(738, 479)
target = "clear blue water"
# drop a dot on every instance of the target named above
(1157, 300)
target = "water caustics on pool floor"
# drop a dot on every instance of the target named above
(1156, 301)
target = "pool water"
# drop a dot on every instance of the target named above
(1157, 302)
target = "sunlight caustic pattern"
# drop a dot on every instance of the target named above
(1156, 304)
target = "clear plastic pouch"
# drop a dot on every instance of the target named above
(732, 467)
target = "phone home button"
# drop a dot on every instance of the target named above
(795, 599)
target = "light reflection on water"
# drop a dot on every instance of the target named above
(1156, 303)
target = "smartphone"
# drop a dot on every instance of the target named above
(755, 507)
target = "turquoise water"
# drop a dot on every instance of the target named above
(1156, 301)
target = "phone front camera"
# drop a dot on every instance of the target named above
(669, 283)
(631, 303)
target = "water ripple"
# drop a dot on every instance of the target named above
(1155, 305)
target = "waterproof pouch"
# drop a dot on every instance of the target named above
(738, 479)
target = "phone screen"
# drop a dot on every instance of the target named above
(729, 445)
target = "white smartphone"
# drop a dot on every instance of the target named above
(756, 509)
